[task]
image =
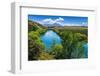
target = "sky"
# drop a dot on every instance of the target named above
(62, 20)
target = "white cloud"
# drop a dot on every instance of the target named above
(59, 19)
(52, 21)
(71, 24)
(84, 23)
(49, 20)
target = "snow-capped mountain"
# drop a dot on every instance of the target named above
(51, 25)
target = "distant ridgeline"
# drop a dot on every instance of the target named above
(32, 25)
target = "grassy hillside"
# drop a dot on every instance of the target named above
(34, 26)
(77, 29)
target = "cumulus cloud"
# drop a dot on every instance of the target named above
(59, 19)
(49, 20)
(52, 21)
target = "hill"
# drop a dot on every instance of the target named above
(34, 25)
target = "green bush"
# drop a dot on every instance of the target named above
(35, 46)
(45, 56)
(57, 51)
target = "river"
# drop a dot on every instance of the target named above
(50, 37)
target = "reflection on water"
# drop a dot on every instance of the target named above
(86, 50)
(49, 38)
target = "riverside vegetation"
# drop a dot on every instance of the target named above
(71, 45)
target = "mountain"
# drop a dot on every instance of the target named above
(52, 25)
(34, 25)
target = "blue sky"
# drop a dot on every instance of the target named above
(62, 20)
